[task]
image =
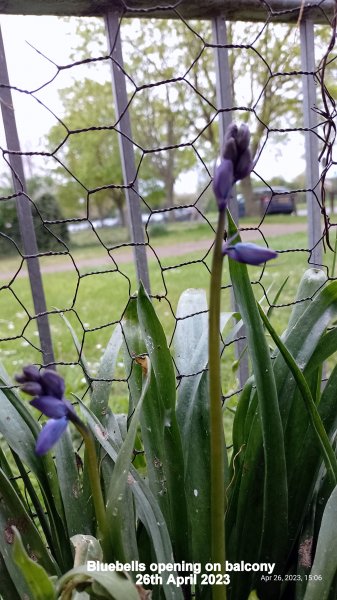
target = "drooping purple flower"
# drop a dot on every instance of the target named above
(50, 434)
(236, 163)
(48, 387)
(248, 253)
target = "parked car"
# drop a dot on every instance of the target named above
(280, 201)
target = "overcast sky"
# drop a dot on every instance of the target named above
(55, 38)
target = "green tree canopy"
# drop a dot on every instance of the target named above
(173, 108)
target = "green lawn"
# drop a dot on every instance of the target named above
(94, 302)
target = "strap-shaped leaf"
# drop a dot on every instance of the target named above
(14, 513)
(118, 484)
(190, 344)
(324, 568)
(106, 370)
(74, 502)
(152, 413)
(321, 436)
(162, 420)
(146, 505)
(8, 590)
(36, 578)
(267, 540)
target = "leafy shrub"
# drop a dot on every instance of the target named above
(46, 208)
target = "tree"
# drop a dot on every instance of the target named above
(89, 157)
(171, 84)
(44, 208)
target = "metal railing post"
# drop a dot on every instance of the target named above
(24, 212)
(225, 101)
(112, 23)
(311, 140)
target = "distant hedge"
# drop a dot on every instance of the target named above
(45, 208)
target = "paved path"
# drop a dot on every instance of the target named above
(125, 255)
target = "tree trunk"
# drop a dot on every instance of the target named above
(100, 211)
(252, 207)
(169, 169)
(121, 212)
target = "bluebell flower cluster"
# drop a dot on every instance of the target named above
(236, 163)
(48, 388)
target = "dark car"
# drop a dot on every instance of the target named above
(276, 202)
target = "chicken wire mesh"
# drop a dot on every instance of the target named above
(96, 161)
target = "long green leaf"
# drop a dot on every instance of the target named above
(269, 543)
(99, 402)
(8, 590)
(152, 437)
(74, 502)
(190, 344)
(36, 578)
(118, 484)
(325, 563)
(301, 341)
(101, 388)
(147, 506)
(308, 458)
(14, 513)
(162, 420)
(32, 493)
(311, 281)
(321, 435)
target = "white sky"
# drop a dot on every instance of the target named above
(29, 70)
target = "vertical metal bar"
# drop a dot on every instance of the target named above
(225, 101)
(311, 140)
(112, 24)
(24, 211)
(223, 90)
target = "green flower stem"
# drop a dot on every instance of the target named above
(218, 458)
(95, 483)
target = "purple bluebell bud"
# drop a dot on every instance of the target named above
(32, 373)
(230, 151)
(248, 253)
(222, 182)
(236, 162)
(236, 149)
(53, 384)
(33, 388)
(242, 138)
(50, 434)
(243, 165)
